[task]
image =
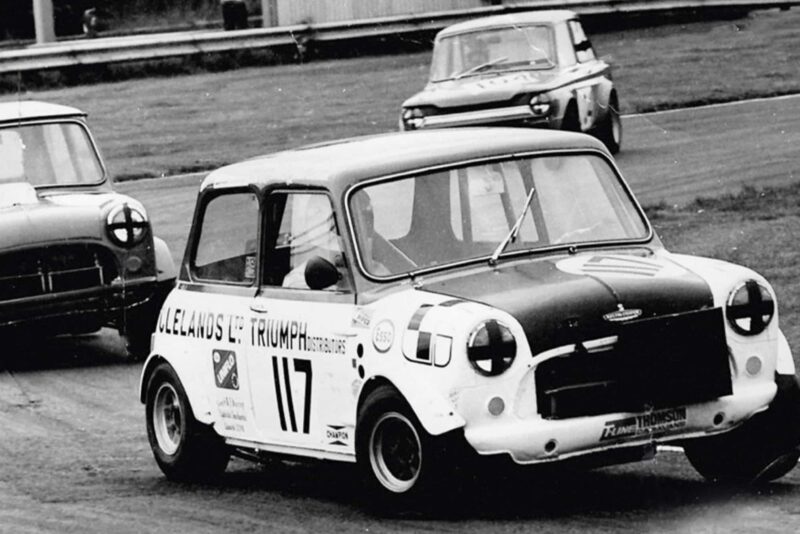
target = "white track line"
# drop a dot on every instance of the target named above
(712, 106)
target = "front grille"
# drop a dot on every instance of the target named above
(653, 363)
(54, 269)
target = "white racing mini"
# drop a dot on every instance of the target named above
(416, 300)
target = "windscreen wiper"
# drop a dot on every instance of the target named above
(512, 234)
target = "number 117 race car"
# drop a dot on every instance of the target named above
(420, 301)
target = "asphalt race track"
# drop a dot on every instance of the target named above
(74, 456)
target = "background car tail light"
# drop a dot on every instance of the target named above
(491, 348)
(540, 104)
(750, 308)
(412, 118)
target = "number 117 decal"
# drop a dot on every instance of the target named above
(300, 366)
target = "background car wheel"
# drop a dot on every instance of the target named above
(610, 131)
(184, 449)
(571, 121)
(400, 463)
(761, 450)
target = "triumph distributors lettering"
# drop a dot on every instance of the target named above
(254, 331)
(641, 425)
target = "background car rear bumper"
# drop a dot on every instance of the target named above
(522, 114)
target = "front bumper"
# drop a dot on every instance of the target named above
(106, 303)
(533, 440)
(504, 115)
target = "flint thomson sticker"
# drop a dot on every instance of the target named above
(383, 335)
(657, 422)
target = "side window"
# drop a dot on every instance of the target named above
(583, 47)
(228, 243)
(306, 230)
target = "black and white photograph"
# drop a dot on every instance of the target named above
(399, 266)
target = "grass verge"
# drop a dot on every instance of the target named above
(166, 123)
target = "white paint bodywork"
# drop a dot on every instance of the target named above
(356, 345)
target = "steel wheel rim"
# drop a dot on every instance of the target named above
(395, 452)
(167, 420)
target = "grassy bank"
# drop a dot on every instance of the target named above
(171, 123)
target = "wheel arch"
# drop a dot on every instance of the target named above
(197, 401)
(436, 414)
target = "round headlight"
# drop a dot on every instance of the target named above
(750, 308)
(126, 225)
(491, 348)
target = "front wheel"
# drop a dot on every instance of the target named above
(399, 461)
(184, 449)
(761, 450)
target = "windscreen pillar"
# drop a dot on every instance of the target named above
(269, 13)
(43, 21)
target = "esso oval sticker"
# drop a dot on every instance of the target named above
(383, 335)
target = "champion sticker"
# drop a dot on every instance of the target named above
(658, 422)
(338, 434)
(226, 374)
(383, 335)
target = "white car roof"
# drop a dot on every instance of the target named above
(31, 109)
(529, 17)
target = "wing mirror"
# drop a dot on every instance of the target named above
(320, 273)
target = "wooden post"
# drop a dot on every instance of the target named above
(269, 13)
(43, 21)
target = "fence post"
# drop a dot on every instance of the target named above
(43, 21)
(269, 13)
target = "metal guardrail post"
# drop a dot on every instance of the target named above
(43, 21)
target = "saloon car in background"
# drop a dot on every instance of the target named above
(528, 69)
(74, 255)
(413, 300)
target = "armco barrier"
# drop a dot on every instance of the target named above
(156, 46)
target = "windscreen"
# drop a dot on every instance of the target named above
(48, 154)
(498, 49)
(434, 219)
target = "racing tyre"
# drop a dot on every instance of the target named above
(761, 450)
(571, 122)
(400, 463)
(610, 130)
(184, 449)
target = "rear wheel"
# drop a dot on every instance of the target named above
(184, 449)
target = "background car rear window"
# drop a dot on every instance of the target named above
(228, 243)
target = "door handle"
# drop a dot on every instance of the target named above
(260, 307)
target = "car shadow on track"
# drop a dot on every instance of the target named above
(556, 495)
(33, 352)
